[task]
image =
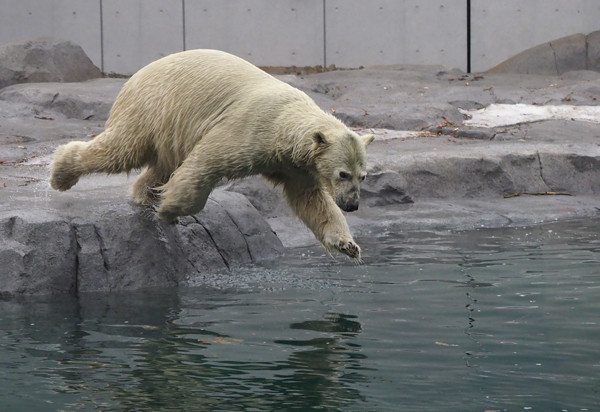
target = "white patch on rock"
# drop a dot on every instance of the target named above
(388, 134)
(496, 115)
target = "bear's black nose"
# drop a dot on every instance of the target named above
(350, 207)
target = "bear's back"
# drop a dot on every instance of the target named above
(176, 100)
(202, 63)
(209, 76)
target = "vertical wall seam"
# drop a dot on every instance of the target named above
(183, 22)
(101, 38)
(468, 36)
(587, 53)
(324, 33)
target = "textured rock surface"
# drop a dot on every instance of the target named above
(44, 60)
(429, 98)
(90, 100)
(80, 245)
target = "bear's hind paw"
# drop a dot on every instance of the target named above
(62, 182)
(168, 217)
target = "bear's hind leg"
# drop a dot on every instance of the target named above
(144, 190)
(65, 169)
(103, 154)
(179, 197)
(188, 188)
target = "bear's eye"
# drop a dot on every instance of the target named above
(344, 175)
(362, 178)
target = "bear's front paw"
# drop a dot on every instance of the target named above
(348, 248)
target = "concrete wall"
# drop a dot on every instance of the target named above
(360, 32)
(265, 32)
(138, 32)
(123, 35)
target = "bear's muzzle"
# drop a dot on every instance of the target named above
(350, 207)
(348, 204)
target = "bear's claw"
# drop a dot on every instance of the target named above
(349, 248)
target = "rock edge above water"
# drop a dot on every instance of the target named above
(113, 245)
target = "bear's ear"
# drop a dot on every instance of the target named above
(367, 139)
(320, 143)
(320, 140)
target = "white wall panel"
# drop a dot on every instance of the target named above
(265, 32)
(501, 29)
(131, 33)
(396, 31)
(74, 20)
(138, 32)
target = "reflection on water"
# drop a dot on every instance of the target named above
(488, 320)
(173, 351)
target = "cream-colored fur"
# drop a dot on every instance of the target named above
(197, 116)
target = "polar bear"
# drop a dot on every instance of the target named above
(195, 117)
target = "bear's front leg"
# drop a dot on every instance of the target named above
(318, 211)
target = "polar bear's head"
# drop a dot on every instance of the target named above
(342, 165)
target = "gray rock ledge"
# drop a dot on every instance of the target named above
(76, 244)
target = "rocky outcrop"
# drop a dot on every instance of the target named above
(575, 52)
(44, 60)
(120, 246)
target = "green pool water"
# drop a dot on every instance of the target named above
(485, 320)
